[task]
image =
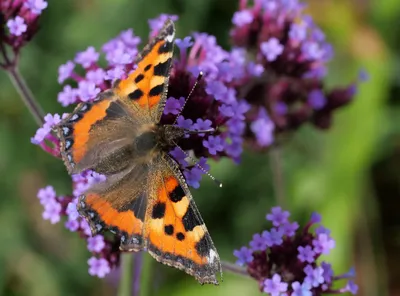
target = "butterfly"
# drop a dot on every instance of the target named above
(145, 198)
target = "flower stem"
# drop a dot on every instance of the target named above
(277, 174)
(137, 273)
(233, 268)
(125, 282)
(26, 94)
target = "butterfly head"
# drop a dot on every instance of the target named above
(169, 135)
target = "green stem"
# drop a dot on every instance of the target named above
(26, 94)
(125, 282)
(277, 175)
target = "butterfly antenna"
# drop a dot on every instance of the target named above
(196, 163)
(199, 77)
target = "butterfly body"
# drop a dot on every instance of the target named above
(145, 198)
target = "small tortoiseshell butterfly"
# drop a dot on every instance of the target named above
(145, 198)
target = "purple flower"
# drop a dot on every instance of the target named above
(301, 290)
(321, 229)
(217, 89)
(351, 287)
(306, 254)
(244, 255)
(184, 43)
(72, 225)
(258, 243)
(193, 177)
(184, 123)
(312, 51)
(65, 71)
(17, 26)
(323, 244)
(96, 76)
(213, 144)
(88, 57)
(173, 106)
(98, 267)
(275, 286)
(273, 237)
(314, 277)
(328, 272)
(278, 216)
(271, 49)
(115, 73)
(315, 218)
(316, 99)
(44, 131)
(202, 125)
(243, 17)
(298, 32)
(68, 96)
(72, 211)
(96, 243)
(36, 6)
(87, 90)
(46, 195)
(95, 178)
(85, 227)
(52, 211)
(263, 128)
(289, 229)
(180, 156)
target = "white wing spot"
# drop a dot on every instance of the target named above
(212, 255)
(170, 38)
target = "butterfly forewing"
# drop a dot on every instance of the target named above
(96, 132)
(146, 88)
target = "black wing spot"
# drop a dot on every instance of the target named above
(169, 229)
(180, 236)
(139, 78)
(147, 68)
(203, 246)
(135, 95)
(161, 69)
(166, 47)
(158, 211)
(157, 90)
(177, 194)
(190, 219)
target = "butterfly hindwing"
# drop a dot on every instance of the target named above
(146, 87)
(176, 234)
(119, 205)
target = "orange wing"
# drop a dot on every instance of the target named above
(146, 88)
(95, 131)
(119, 205)
(175, 232)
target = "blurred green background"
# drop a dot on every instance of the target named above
(350, 174)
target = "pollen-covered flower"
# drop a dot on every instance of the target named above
(293, 54)
(284, 259)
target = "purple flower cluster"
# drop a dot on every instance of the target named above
(284, 259)
(293, 54)
(105, 251)
(18, 24)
